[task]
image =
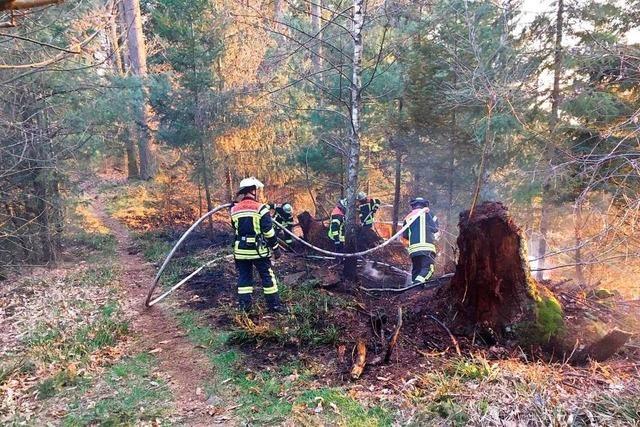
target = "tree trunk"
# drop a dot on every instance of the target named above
(41, 211)
(131, 154)
(492, 288)
(229, 181)
(577, 226)
(316, 26)
(448, 252)
(396, 192)
(353, 159)
(138, 60)
(316, 13)
(550, 151)
(114, 55)
(205, 181)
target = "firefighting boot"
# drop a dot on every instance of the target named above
(244, 302)
(274, 305)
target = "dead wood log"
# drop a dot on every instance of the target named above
(605, 347)
(360, 360)
(492, 287)
(25, 4)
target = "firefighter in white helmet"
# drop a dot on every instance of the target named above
(255, 242)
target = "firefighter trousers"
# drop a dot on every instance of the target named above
(245, 282)
(285, 236)
(423, 266)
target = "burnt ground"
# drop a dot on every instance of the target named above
(212, 293)
(357, 314)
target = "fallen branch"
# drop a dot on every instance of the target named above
(453, 339)
(25, 4)
(394, 338)
(360, 361)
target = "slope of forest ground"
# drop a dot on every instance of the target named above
(77, 348)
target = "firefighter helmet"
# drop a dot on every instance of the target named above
(419, 202)
(362, 195)
(287, 208)
(343, 202)
(247, 184)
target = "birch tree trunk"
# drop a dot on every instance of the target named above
(138, 60)
(550, 150)
(353, 152)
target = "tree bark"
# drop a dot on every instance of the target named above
(114, 44)
(229, 181)
(396, 192)
(119, 67)
(353, 157)
(205, 180)
(138, 60)
(492, 289)
(577, 226)
(545, 204)
(316, 13)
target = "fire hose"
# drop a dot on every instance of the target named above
(352, 254)
(149, 301)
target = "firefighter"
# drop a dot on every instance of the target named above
(284, 216)
(336, 227)
(255, 242)
(368, 208)
(421, 237)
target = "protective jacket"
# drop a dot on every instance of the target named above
(336, 228)
(285, 219)
(367, 210)
(421, 232)
(254, 234)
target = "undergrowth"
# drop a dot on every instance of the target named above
(308, 323)
(275, 392)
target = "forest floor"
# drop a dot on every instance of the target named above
(77, 347)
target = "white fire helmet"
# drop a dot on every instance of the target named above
(362, 195)
(287, 208)
(250, 182)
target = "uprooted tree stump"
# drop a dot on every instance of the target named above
(492, 289)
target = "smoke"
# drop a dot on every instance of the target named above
(371, 271)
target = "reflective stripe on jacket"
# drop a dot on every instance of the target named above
(368, 210)
(420, 232)
(336, 227)
(280, 215)
(254, 233)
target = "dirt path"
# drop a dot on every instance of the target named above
(184, 367)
